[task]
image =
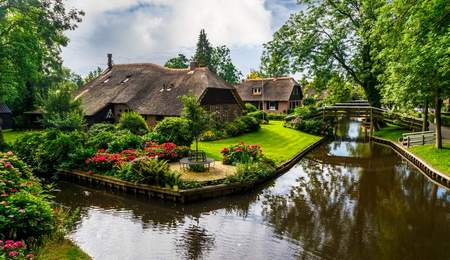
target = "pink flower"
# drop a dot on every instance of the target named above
(13, 253)
(19, 243)
(10, 153)
(13, 190)
(29, 256)
(21, 211)
(89, 172)
(4, 195)
(8, 165)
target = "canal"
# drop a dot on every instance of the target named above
(348, 199)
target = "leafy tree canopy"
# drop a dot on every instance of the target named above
(328, 38)
(179, 62)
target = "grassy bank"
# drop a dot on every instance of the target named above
(278, 143)
(391, 132)
(65, 249)
(438, 158)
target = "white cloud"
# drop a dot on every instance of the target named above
(155, 30)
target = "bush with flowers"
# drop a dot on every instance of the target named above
(11, 249)
(25, 211)
(241, 153)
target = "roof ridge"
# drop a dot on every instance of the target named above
(273, 78)
(155, 65)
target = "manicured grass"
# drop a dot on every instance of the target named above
(391, 132)
(438, 158)
(65, 249)
(277, 142)
(11, 136)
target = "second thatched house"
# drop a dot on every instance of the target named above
(278, 95)
(153, 91)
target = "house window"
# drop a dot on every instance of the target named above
(106, 80)
(125, 80)
(272, 105)
(256, 91)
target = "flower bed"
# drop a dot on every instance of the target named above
(242, 153)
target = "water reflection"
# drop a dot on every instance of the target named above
(346, 200)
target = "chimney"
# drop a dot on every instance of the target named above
(110, 62)
(193, 65)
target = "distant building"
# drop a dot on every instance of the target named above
(278, 95)
(5, 116)
(153, 91)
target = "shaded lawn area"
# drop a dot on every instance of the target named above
(438, 158)
(277, 142)
(391, 132)
(12, 135)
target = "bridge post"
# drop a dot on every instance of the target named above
(371, 122)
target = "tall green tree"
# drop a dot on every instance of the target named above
(204, 51)
(31, 37)
(31, 34)
(416, 39)
(179, 62)
(330, 37)
(93, 75)
(197, 116)
(223, 66)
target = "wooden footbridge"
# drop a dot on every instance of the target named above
(370, 115)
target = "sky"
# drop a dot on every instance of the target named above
(152, 31)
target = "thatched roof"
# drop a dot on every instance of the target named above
(148, 89)
(274, 89)
(4, 109)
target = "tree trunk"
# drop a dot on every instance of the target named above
(437, 116)
(425, 124)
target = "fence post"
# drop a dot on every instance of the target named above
(423, 139)
(408, 142)
(371, 122)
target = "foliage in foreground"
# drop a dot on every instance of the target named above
(133, 122)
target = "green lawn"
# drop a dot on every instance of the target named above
(11, 136)
(278, 143)
(65, 249)
(391, 132)
(438, 158)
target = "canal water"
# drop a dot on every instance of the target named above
(346, 200)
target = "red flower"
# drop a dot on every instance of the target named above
(89, 172)
(29, 256)
(13, 253)
(13, 190)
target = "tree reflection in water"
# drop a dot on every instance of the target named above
(195, 242)
(363, 212)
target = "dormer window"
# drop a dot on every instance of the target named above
(126, 80)
(256, 91)
(106, 80)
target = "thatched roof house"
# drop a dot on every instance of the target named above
(271, 94)
(153, 91)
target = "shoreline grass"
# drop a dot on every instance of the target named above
(12, 135)
(277, 142)
(438, 158)
(65, 249)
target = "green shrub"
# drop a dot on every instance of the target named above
(275, 116)
(101, 127)
(315, 127)
(101, 139)
(25, 211)
(249, 124)
(250, 108)
(260, 115)
(305, 112)
(309, 101)
(251, 172)
(134, 122)
(125, 140)
(46, 151)
(241, 153)
(232, 130)
(212, 135)
(445, 119)
(182, 151)
(175, 130)
(148, 171)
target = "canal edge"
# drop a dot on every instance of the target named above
(183, 196)
(419, 163)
